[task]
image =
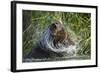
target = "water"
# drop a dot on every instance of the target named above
(68, 50)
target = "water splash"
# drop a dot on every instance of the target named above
(47, 44)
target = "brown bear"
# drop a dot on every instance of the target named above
(54, 42)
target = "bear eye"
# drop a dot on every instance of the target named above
(57, 23)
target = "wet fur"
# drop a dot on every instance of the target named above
(55, 35)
